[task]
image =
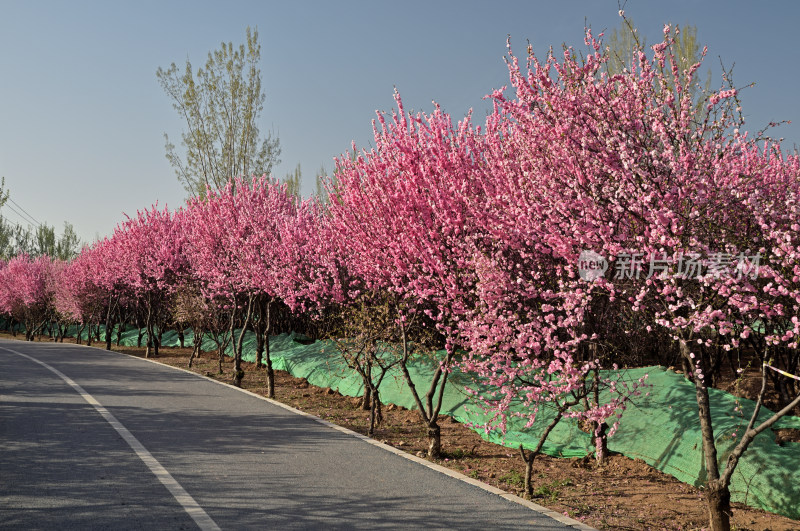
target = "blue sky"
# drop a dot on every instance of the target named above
(82, 116)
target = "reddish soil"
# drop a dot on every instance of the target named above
(622, 494)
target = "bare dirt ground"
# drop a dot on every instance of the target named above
(623, 494)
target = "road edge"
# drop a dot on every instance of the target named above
(561, 518)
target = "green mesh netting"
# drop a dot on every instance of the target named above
(662, 428)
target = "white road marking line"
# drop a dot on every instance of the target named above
(186, 501)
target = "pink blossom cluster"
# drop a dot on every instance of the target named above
(25, 289)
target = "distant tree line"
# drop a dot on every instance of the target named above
(16, 239)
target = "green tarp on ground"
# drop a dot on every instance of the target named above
(662, 429)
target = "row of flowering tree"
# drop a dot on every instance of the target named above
(589, 215)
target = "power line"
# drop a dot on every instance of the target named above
(20, 216)
(25, 211)
(24, 216)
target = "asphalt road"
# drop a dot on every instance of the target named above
(98, 440)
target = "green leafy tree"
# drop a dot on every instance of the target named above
(622, 42)
(16, 239)
(293, 180)
(322, 192)
(220, 105)
(45, 240)
(5, 227)
(3, 191)
(6, 239)
(23, 240)
(68, 245)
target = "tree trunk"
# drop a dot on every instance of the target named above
(267, 357)
(706, 428)
(181, 337)
(259, 346)
(109, 323)
(687, 368)
(197, 340)
(718, 498)
(531, 455)
(528, 458)
(195, 352)
(192, 357)
(109, 335)
(238, 372)
(270, 371)
(221, 353)
(366, 398)
(601, 443)
(148, 325)
(157, 344)
(375, 416)
(258, 329)
(434, 440)
(601, 429)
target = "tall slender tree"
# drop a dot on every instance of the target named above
(624, 42)
(221, 105)
(3, 191)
